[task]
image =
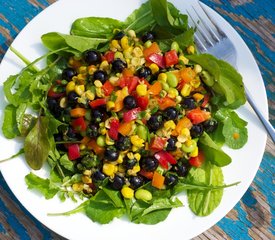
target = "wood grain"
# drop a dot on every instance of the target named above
(253, 216)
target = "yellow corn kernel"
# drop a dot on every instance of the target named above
(110, 105)
(178, 99)
(183, 59)
(77, 187)
(130, 155)
(63, 102)
(197, 68)
(86, 179)
(97, 83)
(87, 173)
(173, 93)
(185, 132)
(90, 95)
(194, 153)
(104, 65)
(79, 89)
(70, 86)
(128, 52)
(92, 69)
(82, 146)
(137, 52)
(135, 61)
(196, 82)
(169, 125)
(191, 49)
(81, 78)
(162, 77)
(125, 92)
(127, 192)
(114, 80)
(120, 158)
(154, 68)
(135, 148)
(132, 33)
(109, 169)
(134, 170)
(198, 96)
(141, 89)
(185, 91)
(137, 141)
(82, 69)
(137, 156)
(115, 44)
(124, 43)
(103, 131)
(178, 144)
(109, 141)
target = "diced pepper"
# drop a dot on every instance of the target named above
(130, 82)
(142, 101)
(120, 95)
(182, 123)
(171, 58)
(198, 160)
(95, 147)
(158, 143)
(163, 156)
(109, 56)
(205, 100)
(98, 102)
(125, 128)
(113, 131)
(198, 116)
(131, 114)
(155, 89)
(148, 175)
(73, 152)
(79, 124)
(187, 74)
(166, 102)
(158, 180)
(108, 88)
(154, 48)
(157, 59)
(53, 94)
(78, 112)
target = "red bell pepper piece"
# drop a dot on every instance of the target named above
(79, 124)
(53, 94)
(198, 160)
(157, 59)
(113, 131)
(98, 102)
(142, 101)
(197, 115)
(109, 56)
(130, 82)
(108, 88)
(171, 58)
(73, 152)
(158, 143)
(164, 158)
(131, 114)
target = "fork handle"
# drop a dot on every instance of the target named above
(269, 128)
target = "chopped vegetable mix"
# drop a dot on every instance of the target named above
(129, 121)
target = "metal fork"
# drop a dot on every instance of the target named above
(210, 38)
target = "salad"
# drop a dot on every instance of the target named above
(127, 115)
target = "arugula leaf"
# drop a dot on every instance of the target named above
(227, 81)
(9, 127)
(202, 203)
(212, 152)
(44, 186)
(37, 145)
(66, 163)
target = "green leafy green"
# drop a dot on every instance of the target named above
(9, 127)
(227, 81)
(202, 203)
(66, 163)
(212, 152)
(37, 145)
(44, 186)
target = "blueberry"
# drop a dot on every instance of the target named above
(148, 36)
(92, 130)
(170, 180)
(100, 75)
(130, 102)
(136, 181)
(149, 163)
(170, 113)
(189, 103)
(117, 182)
(97, 115)
(181, 170)
(118, 65)
(68, 74)
(111, 154)
(171, 144)
(98, 176)
(92, 57)
(54, 107)
(196, 130)
(130, 163)
(155, 122)
(72, 99)
(123, 143)
(144, 72)
(119, 35)
(210, 125)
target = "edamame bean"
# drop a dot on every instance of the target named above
(172, 79)
(165, 86)
(142, 132)
(100, 141)
(175, 46)
(143, 194)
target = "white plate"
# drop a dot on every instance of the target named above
(181, 222)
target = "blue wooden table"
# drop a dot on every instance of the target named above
(253, 216)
